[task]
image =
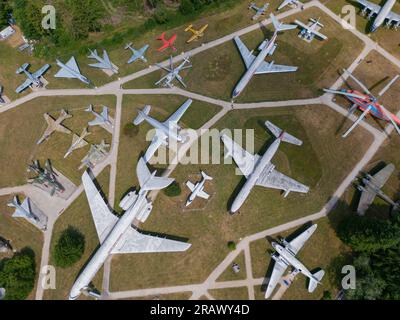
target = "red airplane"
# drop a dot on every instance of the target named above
(167, 43)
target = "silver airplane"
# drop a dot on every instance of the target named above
(22, 210)
(137, 54)
(54, 125)
(287, 2)
(259, 10)
(259, 170)
(372, 188)
(310, 32)
(285, 256)
(198, 189)
(382, 13)
(78, 142)
(101, 119)
(258, 65)
(164, 130)
(1, 93)
(103, 63)
(70, 70)
(33, 78)
(173, 73)
(116, 235)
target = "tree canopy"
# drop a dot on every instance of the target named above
(69, 248)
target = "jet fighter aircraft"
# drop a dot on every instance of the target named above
(46, 177)
(103, 63)
(259, 10)
(137, 54)
(55, 125)
(101, 119)
(173, 73)
(78, 142)
(196, 33)
(33, 78)
(22, 210)
(167, 43)
(70, 70)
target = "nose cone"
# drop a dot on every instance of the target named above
(188, 203)
(235, 94)
(74, 294)
(235, 207)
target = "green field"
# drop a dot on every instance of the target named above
(21, 234)
(78, 216)
(329, 157)
(22, 127)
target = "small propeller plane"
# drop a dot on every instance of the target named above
(32, 78)
(167, 43)
(309, 32)
(137, 54)
(196, 33)
(367, 103)
(260, 11)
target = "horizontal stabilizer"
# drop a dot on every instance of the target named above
(205, 176)
(140, 118)
(279, 26)
(280, 134)
(149, 181)
(317, 277)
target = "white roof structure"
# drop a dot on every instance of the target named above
(7, 32)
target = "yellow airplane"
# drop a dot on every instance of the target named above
(196, 33)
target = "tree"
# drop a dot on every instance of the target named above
(173, 190)
(4, 11)
(17, 274)
(231, 245)
(69, 248)
(186, 7)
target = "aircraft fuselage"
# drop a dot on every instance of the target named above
(382, 15)
(170, 131)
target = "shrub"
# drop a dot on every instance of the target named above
(69, 248)
(173, 190)
(231, 245)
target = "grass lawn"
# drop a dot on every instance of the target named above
(329, 160)
(229, 275)
(230, 293)
(78, 216)
(21, 234)
(313, 255)
(21, 127)
(389, 39)
(216, 71)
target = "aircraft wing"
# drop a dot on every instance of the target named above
(80, 144)
(104, 113)
(190, 185)
(134, 57)
(62, 129)
(64, 73)
(371, 6)
(144, 49)
(203, 29)
(383, 175)
(132, 241)
(276, 275)
(96, 122)
(247, 56)
(393, 17)
(301, 24)
(277, 180)
(367, 197)
(104, 64)
(158, 140)
(180, 112)
(266, 67)
(297, 243)
(22, 87)
(244, 160)
(41, 71)
(103, 219)
(203, 195)
(193, 37)
(284, 4)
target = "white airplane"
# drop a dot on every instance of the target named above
(285, 256)
(173, 73)
(23, 210)
(198, 189)
(33, 78)
(137, 54)
(382, 13)
(258, 65)
(70, 70)
(101, 119)
(1, 98)
(259, 170)
(310, 31)
(116, 235)
(78, 142)
(287, 2)
(103, 63)
(164, 130)
(259, 10)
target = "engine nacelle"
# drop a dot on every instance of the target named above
(263, 45)
(145, 212)
(128, 201)
(273, 49)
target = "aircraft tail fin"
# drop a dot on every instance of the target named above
(189, 27)
(279, 26)
(205, 176)
(140, 118)
(315, 280)
(13, 203)
(149, 181)
(162, 37)
(89, 109)
(128, 46)
(284, 136)
(22, 68)
(93, 54)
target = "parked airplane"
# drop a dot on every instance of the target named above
(22, 210)
(196, 33)
(78, 142)
(167, 43)
(70, 70)
(258, 170)
(372, 188)
(101, 119)
(173, 73)
(309, 32)
(117, 236)
(258, 65)
(367, 103)
(287, 2)
(54, 125)
(137, 54)
(33, 78)
(164, 130)
(46, 177)
(259, 10)
(1, 93)
(198, 189)
(103, 63)
(382, 13)
(285, 256)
